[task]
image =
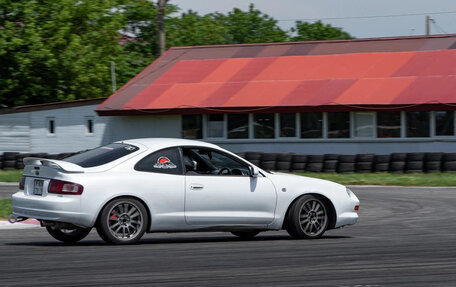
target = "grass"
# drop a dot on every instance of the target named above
(383, 178)
(5, 208)
(13, 175)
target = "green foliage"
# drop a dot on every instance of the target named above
(58, 50)
(317, 31)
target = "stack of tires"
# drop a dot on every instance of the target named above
(397, 163)
(268, 161)
(449, 162)
(433, 162)
(330, 162)
(364, 163)
(299, 163)
(415, 162)
(283, 162)
(253, 157)
(382, 162)
(314, 163)
(346, 163)
(9, 160)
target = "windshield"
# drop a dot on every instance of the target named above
(101, 155)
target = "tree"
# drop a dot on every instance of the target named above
(55, 50)
(317, 31)
(251, 26)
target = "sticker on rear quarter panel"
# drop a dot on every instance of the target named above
(164, 162)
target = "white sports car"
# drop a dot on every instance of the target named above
(167, 185)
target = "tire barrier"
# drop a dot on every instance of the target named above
(419, 162)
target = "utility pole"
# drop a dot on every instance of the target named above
(428, 25)
(161, 25)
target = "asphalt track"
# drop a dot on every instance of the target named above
(405, 237)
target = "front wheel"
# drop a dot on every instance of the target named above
(307, 218)
(68, 235)
(122, 221)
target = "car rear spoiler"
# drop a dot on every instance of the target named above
(55, 164)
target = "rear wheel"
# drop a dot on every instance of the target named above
(68, 235)
(122, 221)
(307, 218)
(245, 235)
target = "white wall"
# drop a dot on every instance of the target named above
(14, 132)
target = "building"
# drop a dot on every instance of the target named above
(379, 95)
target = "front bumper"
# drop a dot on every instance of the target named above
(51, 207)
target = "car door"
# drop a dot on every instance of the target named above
(220, 191)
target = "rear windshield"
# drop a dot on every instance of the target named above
(101, 155)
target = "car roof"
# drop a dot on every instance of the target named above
(159, 143)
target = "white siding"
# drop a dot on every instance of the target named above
(14, 132)
(70, 130)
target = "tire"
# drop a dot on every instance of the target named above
(397, 166)
(414, 165)
(365, 157)
(284, 157)
(10, 156)
(398, 156)
(253, 155)
(449, 166)
(115, 216)
(239, 154)
(331, 157)
(433, 156)
(67, 235)
(381, 167)
(432, 166)
(314, 167)
(363, 166)
(330, 164)
(415, 156)
(299, 158)
(19, 165)
(298, 166)
(346, 167)
(347, 158)
(9, 164)
(449, 156)
(268, 165)
(255, 162)
(269, 157)
(283, 166)
(313, 223)
(315, 158)
(382, 158)
(245, 235)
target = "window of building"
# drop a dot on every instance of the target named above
(263, 126)
(215, 126)
(50, 125)
(388, 124)
(288, 125)
(192, 126)
(444, 123)
(339, 125)
(163, 161)
(364, 124)
(311, 125)
(417, 124)
(89, 125)
(238, 126)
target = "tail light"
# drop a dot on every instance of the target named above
(22, 183)
(64, 187)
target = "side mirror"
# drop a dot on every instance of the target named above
(253, 171)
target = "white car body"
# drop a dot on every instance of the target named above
(176, 202)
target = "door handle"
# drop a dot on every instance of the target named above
(195, 186)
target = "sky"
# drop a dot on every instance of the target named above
(443, 12)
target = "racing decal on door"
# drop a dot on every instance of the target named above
(164, 162)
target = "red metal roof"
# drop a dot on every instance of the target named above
(399, 72)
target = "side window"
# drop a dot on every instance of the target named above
(209, 162)
(163, 161)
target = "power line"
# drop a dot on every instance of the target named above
(371, 16)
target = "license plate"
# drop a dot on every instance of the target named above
(38, 187)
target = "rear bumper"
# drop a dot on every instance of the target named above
(61, 208)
